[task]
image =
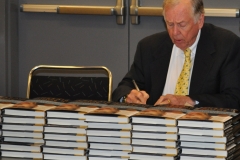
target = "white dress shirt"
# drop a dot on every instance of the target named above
(176, 64)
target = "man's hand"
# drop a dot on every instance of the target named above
(135, 96)
(175, 100)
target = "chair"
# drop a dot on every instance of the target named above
(65, 82)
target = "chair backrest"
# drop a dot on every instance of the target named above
(56, 84)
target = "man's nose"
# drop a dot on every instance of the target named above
(175, 30)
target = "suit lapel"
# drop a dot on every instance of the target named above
(203, 61)
(159, 69)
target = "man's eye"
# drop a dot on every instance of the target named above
(182, 25)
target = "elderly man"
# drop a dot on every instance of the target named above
(191, 63)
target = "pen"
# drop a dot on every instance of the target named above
(135, 84)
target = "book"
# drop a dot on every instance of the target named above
(22, 127)
(154, 128)
(23, 120)
(109, 132)
(111, 146)
(156, 116)
(63, 150)
(65, 129)
(21, 147)
(205, 131)
(201, 157)
(24, 155)
(69, 110)
(79, 145)
(66, 122)
(118, 105)
(147, 156)
(8, 133)
(205, 120)
(63, 157)
(155, 142)
(205, 138)
(23, 140)
(27, 108)
(49, 100)
(156, 150)
(155, 135)
(107, 125)
(234, 113)
(118, 140)
(110, 114)
(108, 153)
(11, 100)
(65, 137)
(171, 107)
(106, 158)
(210, 145)
(210, 152)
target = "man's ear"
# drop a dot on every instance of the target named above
(201, 21)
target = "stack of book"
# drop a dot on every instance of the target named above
(65, 132)
(109, 133)
(22, 129)
(155, 135)
(209, 133)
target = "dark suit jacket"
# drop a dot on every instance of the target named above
(215, 77)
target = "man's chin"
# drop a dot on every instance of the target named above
(181, 46)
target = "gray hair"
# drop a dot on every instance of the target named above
(197, 6)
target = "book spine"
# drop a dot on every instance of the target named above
(228, 131)
(227, 123)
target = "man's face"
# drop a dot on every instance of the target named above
(181, 26)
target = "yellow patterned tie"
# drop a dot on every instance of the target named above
(183, 79)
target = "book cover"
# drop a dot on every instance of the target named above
(156, 116)
(205, 120)
(110, 114)
(234, 113)
(27, 108)
(69, 110)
